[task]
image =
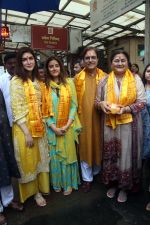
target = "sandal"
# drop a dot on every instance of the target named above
(122, 196)
(68, 192)
(111, 192)
(57, 190)
(2, 219)
(40, 201)
(16, 206)
(148, 206)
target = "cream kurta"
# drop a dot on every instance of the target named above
(89, 140)
(32, 162)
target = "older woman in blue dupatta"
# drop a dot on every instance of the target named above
(146, 121)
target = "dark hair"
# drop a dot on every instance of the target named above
(144, 79)
(10, 55)
(89, 49)
(20, 71)
(136, 65)
(41, 65)
(48, 77)
(119, 51)
(78, 61)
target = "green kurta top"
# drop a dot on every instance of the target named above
(64, 146)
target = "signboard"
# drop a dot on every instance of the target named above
(20, 33)
(104, 11)
(52, 38)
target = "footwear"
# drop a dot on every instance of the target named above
(122, 196)
(17, 206)
(111, 192)
(68, 192)
(57, 190)
(148, 206)
(40, 201)
(86, 186)
(2, 219)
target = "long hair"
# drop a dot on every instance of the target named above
(144, 79)
(20, 71)
(48, 76)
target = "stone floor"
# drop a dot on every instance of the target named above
(92, 208)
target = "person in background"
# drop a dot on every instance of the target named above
(146, 123)
(135, 69)
(63, 127)
(8, 165)
(89, 140)
(30, 143)
(146, 114)
(41, 71)
(121, 97)
(6, 140)
(78, 66)
(9, 63)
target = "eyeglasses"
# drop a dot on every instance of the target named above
(28, 59)
(93, 58)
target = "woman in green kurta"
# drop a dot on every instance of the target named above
(63, 128)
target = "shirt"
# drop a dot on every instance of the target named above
(4, 86)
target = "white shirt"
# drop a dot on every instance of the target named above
(5, 86)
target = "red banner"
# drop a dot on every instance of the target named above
(49, 38)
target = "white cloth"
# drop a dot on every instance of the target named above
(4, 86)
(7, 196)
(88, 172)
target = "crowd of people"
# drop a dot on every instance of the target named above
(53, 125)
